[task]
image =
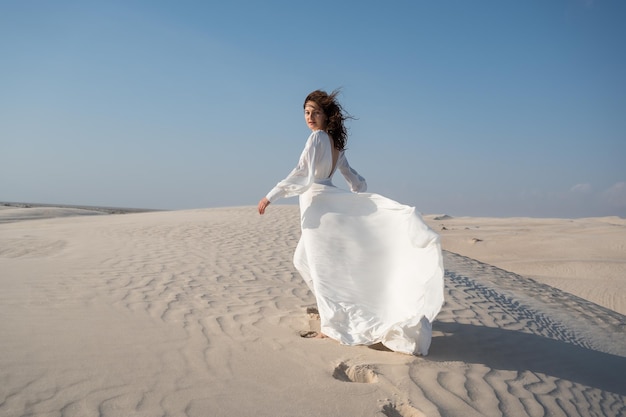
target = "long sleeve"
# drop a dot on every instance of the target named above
(355, 181)
(302, 176)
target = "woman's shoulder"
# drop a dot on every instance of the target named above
(318, 133)
(318, 136)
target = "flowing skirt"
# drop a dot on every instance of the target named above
(374, 266)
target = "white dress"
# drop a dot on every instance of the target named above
(373, 264)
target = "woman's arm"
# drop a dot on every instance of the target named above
(299, 179)
(357, 183)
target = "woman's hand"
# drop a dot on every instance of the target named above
(263, 205)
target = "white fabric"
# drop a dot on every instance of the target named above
(373, 264)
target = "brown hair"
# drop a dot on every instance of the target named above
(335, 114)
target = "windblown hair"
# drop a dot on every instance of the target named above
(335, 114)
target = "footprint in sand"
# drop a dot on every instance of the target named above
(313, 313)
(401, 410)
(355, 373)
(314, 331)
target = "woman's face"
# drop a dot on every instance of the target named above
(314, 116)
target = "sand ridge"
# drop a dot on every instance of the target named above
(199, 312)
(585, 257)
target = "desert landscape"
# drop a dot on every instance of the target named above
(200, 313)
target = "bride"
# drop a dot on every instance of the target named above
(374, 266)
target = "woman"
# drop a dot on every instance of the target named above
(374, 266)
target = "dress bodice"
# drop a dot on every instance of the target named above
(316, 166)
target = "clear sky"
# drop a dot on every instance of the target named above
(469, 107)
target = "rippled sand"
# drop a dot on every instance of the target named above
(199, 313)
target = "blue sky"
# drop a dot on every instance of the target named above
(470, 108)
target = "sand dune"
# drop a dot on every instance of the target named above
(199, 313)
(585, 257)
(12, 214)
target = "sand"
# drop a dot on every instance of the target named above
(585, 257)
(199, 313)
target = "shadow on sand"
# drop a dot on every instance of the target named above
(516, 351)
